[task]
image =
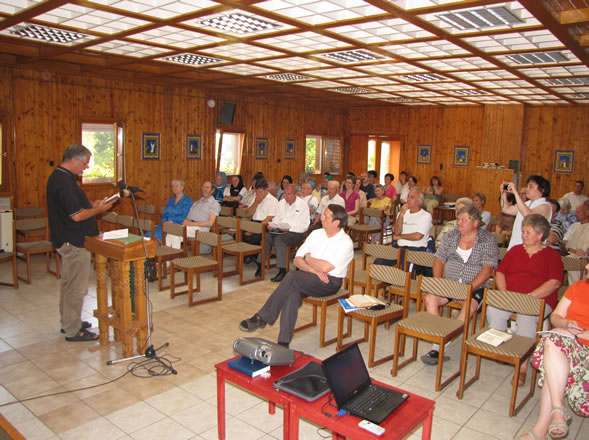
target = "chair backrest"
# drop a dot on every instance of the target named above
(394, 277)
(209, 238)
(372, 212)
(443, 287)
(31, 224)
(146, 209)
(251, 226)
(226, 222)
(174, 229)
(450, 197)
(386, 252)
(513, 302)
(146, 225)
(29, 212)
(226, 211)
(502, 252)
(572, 264)
(125, 220)
(241, 212)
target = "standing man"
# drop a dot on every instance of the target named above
(287, 228)
(72, 218)
(576, 197)
(322, 261)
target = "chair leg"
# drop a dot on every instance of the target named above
(172, 281)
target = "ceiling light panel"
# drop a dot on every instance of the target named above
(293, 63)
(543, 72)
(507, 16)
(350, 90)
(241, 51)
(353, 56)
(428, 49)
(422, 77)
(191, 59)
(397, 88)
(538, 58)
(236, 23)
(120, 47)
(46, 34)
(469, 63)
(286, 77)
(391, 69)
(531, 40)
(376, 32)
(176, 37)
(242, 69)
(303, 42)
(320, 11)
(369, 81)
(484, 75)
(575, 81)
(321, 84)
(420, 94)
(334, 73)
(160, 9)
(90, 19)
(378, 96)
(14, 7)
(570, 90)
(580, 96)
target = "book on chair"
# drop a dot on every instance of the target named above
(494, 337)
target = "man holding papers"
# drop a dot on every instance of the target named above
(287, 228)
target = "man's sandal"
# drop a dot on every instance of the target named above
(85, 325)
(82, 336)
(561, 428)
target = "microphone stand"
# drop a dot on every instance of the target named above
(150, 352)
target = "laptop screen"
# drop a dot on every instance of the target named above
(346, 373)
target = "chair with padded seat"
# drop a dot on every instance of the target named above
(372, 318)
(227, 211)
(43, 246)
(412, 260)
(322, 302)
(241, 249)
(516, 351)
(164, 254)
(125, 221)
(362, 230)
(147, 212)
(195, 265)
(29, 213)
(147, 226)
(227, 225)
(432, 328)
(108, 221)
(372, 251)
(10, 256)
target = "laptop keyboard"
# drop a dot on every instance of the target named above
(370, 399)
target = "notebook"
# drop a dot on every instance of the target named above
(307, 382)
(353, 390)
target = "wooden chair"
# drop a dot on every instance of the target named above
(371, 318)
(572, 264)
(373, 251)
(196, 265)
(10, 256)
(362, 230)
(432, 328)
(125, 221)
(516, 351)
(29, 213)
(240, 212)
(147, 226)
(226, 225)
(412, 259)
(163, 253)
(501, 254)
(108, 221)
(44, 246)
(241, 249)
(323, 302)
(226, 211)
(147, 212)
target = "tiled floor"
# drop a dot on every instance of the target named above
(35, 360)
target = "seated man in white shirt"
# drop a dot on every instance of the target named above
(332, 197)
(576, 197)
(287, 228)
(578, 240)
(307, 195)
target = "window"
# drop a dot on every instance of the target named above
(323, 154)
(228, 152)
(106, 142)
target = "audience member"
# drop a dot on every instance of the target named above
(379, 202)
(303, 178)
(389, 189)
(351, 199)
(273, 188)
(451, 225)
(468, 254)
(310, 200)
(176, 209)
(411, 182)
(287, 228)
(561, 360)
(478, 201)
(505, 221)
(372, 177)
(578, 241)
(234, 192)
(332, 197)
(554, 239)
(286, 180)
(401, 184)
(433, 194)
(566, 217)
(363, 203)
(576, 197)
(536, 190)
(314, 191)
(248, 198)
(323, 187)
(530, 268)
(201, 217)
(220, 185)
(322, 261)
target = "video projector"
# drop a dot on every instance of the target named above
(264, 351)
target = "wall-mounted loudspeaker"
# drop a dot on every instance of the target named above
(227, 113)
(514, 165)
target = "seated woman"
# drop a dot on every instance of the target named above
(433, 194)
(363, 200)
(379, 202)
(531, 268)
(286, 180)
(220, 185)
(234, 193)
(351, 199)
(389, 189)
(562, 362)
(411, 182)
(177, 207)
(479, 200)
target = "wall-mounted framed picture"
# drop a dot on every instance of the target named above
(261, 148)
(289, 149)
(461, 156)
(564, 161)
(151, 146)
(424, 154)
(193, 146)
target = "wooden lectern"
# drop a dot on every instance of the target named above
(125, 323)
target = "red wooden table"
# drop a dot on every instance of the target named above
(408, 416)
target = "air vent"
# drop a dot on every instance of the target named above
(470, 92)
(286, 77)
(44, 33)
(353, 56)
(538, 58)
(351, 90)
(568, 81)
(192, 60)
(480, 18)
(581, 95)
(423, 77)
(238, 24)
(400, 100)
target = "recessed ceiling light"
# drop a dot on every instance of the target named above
(480, 18)
(469, 92)
(192, 59)
(400, 100)
(286, 77)
(353, 56)
(581, 95)
(350, 90)
(238, 23)
(538, 58)
(423, 77)
(568, 81)
(45, 33)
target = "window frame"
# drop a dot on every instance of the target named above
(219, 133)
(119, 162)
(321, 154)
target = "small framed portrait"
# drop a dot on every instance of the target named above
(151, 146)
(564, 161)
(193, 146)
(461, 156)
(261, 148)
(289, 149)
(424, 154)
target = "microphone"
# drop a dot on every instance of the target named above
(133, 189)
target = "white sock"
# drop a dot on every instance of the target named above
(436, 347)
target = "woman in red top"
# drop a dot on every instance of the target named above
(562, 360)
(351, 199)
(530, 268)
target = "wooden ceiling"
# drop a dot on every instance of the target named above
(346, 52)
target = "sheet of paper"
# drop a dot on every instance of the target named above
(117, 233)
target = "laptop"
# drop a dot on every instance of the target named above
(307, 382)
(353, 390)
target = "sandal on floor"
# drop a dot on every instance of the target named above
(82, 336)
(562, 427)
(85, 325)
(532, 435)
